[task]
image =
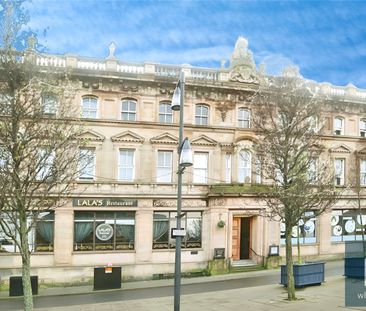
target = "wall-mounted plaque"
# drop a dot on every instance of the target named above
(219, 253)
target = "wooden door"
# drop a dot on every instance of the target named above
(245, 238)
(236, 239)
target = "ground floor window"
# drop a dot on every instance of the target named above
(165, 221)
(347, 225)
(103, 231)
(304, 232)
(40, 237)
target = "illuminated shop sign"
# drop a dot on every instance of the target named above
(104, 202)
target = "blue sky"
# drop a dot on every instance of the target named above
(326, 39)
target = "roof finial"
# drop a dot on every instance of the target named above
(112, 49)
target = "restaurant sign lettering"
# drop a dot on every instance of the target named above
(104, 202)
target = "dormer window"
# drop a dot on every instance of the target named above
(338, 126)
(363, 128)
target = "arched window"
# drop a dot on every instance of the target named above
(201, 116)
(165, 113)
(244, 166)
(244, 118)
(128, 111)
(363, 127)
(89, 109)
(338, 126)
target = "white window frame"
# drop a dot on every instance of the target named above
(130, 112)
(258, 170)
(339, 171)
(338, 129)
(5, 158)
(200, 172)
(363, 127)
(228, 168)
(244, 166)
(166, 114)
(88, 112)
(125, 165)
(313, 124)
(49, 104)
(45, 163)
(200, 117)
(167, 166)
(90, 175)
(363, 172)
(313, 170)
(244, 117)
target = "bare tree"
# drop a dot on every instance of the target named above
(39, 152)
(287, 120)
(356, 183)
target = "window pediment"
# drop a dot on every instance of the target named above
(91, 136)
(164, 138)
(340, 149)
(204, 140)
(128, 137)
(362, 152)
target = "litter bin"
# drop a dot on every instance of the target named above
(16, 285)
(107, 278)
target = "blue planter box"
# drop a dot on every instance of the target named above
(354, 267)
(309, 273)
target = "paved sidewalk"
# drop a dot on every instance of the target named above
(328, 296)
(71, 290)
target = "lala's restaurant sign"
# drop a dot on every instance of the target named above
(104, 202)
(104, 232)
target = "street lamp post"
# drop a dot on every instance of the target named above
(184, 160)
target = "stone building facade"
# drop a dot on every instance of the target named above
(124, 206)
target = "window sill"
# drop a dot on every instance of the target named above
(173, 250)
(32, 253)
(103, 251)
(302, 244)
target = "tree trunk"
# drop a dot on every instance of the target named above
(27, 288)
(289, 265)
(299, 260)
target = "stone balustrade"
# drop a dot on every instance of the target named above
(164, 70)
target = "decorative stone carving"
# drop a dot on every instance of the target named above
(203, 140)
(128, 137)
(291, 71)
(185, 203)
(90, 135)
(32, 41)
(132, 88)
(340, 149)
(112, 49)
(242, 66)
(217, 202)
(243, 145)
(223, 107)
(164, 138)
(166, 91)
(228, 147)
